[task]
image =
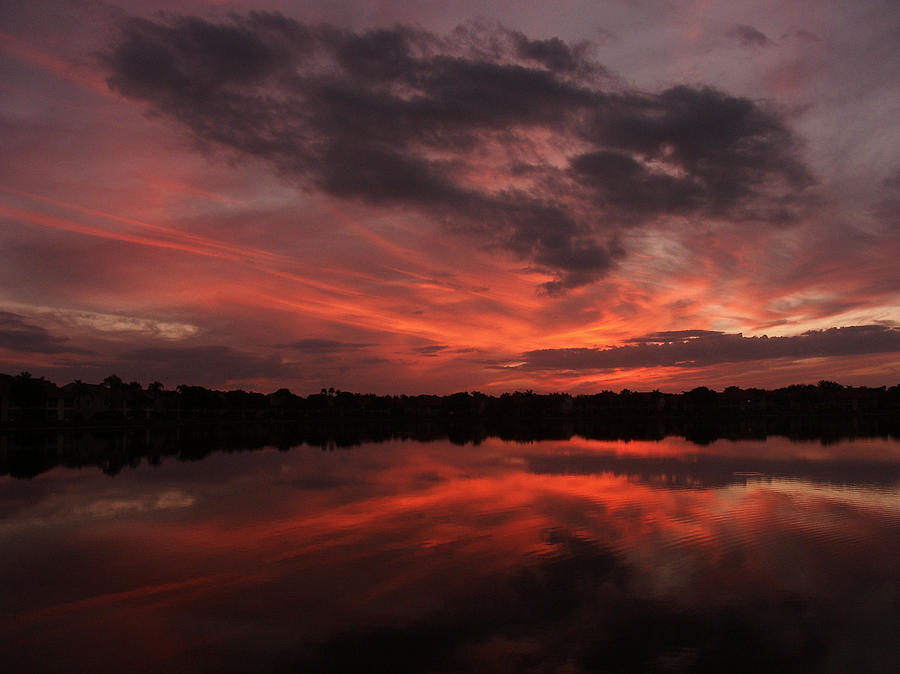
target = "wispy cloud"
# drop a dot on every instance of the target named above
(20, 336)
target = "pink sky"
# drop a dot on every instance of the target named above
(454, 196)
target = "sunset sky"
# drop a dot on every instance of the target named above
(436, 196)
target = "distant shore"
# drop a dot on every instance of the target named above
(28, 402)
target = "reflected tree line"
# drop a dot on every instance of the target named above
(25, 453)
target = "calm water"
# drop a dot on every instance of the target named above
(569, 556)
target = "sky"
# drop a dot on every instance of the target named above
(433, 197)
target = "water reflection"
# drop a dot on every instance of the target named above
(26, 453)
(575, 555)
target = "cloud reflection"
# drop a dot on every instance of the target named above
(474, 556)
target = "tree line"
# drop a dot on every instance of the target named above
(25, 399)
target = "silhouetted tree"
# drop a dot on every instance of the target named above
(113, 382)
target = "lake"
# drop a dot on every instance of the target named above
(399, 556)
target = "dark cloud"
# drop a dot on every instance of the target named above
(190, 56)
(628, 187)
(698, 348)
(805, 36)
(728, 157)
(670, 336)
(216, 365)
(887, 208)
(892, 182)
(322, 345)
(431, 350)
(468, 128)
(554, 53)
(748, 36)
(18, 335)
